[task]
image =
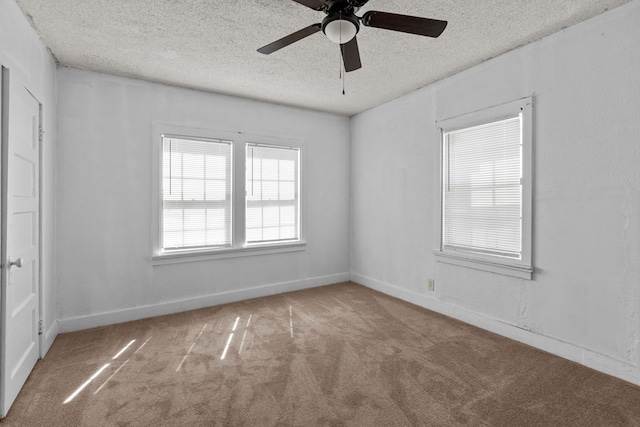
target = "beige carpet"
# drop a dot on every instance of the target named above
(340, 355)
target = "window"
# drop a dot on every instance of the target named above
(272, 194)
(196, 193)
(486, 189)
(223, 194)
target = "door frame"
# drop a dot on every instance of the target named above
(6, 74)
(41, 330)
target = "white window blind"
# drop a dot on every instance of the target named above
(482, 189)
(272, 187)
(196, 193)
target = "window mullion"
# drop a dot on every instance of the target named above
(239, 193)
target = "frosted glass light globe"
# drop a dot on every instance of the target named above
(340, 31)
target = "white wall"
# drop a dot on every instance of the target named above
(104, 198)
(29, 61)
(584, 302)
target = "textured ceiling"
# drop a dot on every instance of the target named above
(211, 44)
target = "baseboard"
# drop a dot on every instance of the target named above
(50, 336)
(600, 362)
(170, 307)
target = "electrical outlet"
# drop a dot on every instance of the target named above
(431, 285)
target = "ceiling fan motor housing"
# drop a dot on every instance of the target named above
(357, 3)
(344, 6)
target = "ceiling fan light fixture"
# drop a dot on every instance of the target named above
(340, 30)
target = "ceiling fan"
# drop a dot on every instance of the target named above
(341, 26)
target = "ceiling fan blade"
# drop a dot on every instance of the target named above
(404, 23)
(313, 4)
(351, 55)
(291, 38)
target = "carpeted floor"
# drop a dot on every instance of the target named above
(340, 355)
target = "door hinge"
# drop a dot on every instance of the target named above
(40, 327)
(40, 135)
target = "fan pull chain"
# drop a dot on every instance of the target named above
(343, 75)
(340, 61)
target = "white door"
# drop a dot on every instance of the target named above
(20, 237)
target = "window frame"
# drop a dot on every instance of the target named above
(239, 247)
(522, 268)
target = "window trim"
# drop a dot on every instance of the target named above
(239, 247)
(522, 268)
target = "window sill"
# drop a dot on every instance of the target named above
(507, 269)
(195, 256)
